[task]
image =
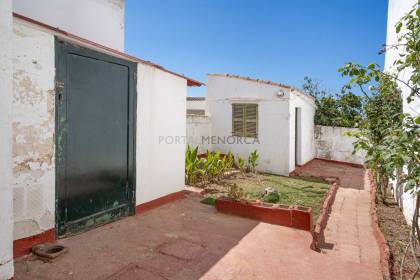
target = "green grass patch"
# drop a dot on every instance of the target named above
(291, 191)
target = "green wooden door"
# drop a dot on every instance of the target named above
(95, 115)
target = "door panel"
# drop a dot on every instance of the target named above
(95, 138)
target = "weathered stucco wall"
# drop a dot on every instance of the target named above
(33, 130)
(196, 104)
(198, 132)
(331, 143)
(101, 21)
(273, 121)
(161, 130)
(6, 190)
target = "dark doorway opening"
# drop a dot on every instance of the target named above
(297, 135)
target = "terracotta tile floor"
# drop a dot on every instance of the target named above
(189, 240)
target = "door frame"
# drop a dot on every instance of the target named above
(62, 49)
(298, 132)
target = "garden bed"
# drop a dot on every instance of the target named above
(290, 216)
(396, 232)
(292, 191)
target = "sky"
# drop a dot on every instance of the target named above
(277, 40)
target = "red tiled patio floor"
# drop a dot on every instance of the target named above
(348, 234)
(189, 240)
(350, 249)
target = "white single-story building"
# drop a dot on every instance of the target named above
(81, 123)
(249, 114)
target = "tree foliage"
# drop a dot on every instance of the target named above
(334, 110)
(390, 137)
(408, 46)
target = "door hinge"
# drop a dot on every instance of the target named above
(59, 84)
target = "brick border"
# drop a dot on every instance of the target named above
(377, 233)
(290, 216)
(318, 232)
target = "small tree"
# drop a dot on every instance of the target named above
(344, 110)
(391, 138)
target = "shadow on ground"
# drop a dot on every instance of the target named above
(349, 176)
(180, 240)
(188, 240)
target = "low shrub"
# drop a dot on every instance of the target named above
(213, 166)
(235, 192)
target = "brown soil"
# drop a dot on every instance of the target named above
(396, 231)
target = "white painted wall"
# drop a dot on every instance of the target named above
(331, 143)
(101, 21)
(160, 112)
(33, 130)
(196, 104)
(306, 148)
(161, 131)
(199, 132)
(274, 121)
(396, 10)
(6, 189)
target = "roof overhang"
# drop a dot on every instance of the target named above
(66, 35)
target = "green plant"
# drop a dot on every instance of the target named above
(408, 46)
(229, 160)
(390, 138)
(383, 108)
(219, 168)
(192, 165)
(252, 160)
(208, 169)
(208, 166)
(235, 192)
(344, 110)
(241, 164)
(213, 167)
(272, 197)
(208, 200)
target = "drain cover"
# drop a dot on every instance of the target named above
(48, 251)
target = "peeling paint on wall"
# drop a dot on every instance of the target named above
(6, 191)
(33, 130)
(332, 143)
(118, 3)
